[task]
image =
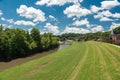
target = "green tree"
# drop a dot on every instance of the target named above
(35, 34)
(45, 41)
(1, 28)
(117, 30)
(16, 43)
(55, 42)
(5, 45)
(19, 44)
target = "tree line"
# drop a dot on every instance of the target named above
(15, 43)
(86, 37)
(90, 36)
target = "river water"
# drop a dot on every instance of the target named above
(62, 46)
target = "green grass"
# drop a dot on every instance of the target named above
(80, 61)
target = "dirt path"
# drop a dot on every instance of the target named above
(31, 73)
(115, 45)
(6, 65)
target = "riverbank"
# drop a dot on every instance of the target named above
(19, 61)
(15, 62)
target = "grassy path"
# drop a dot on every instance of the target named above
(80, 61)
(78, 67)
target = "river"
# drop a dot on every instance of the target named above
(62, 46)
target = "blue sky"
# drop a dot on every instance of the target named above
(61, 16)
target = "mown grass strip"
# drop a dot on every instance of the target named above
(110, 60)
(78, 66)
(112, 63)
(103, 64)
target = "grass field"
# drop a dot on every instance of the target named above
(80, 61)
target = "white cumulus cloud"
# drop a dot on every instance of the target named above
(56, 2)
(52, 18)
(97, 29)
(108, 4)
(31, 13)
(75, 30)
(95, 9)
(7, 20)
(76, 10)
(1, 13)
(6, 26)
(51, 28)
(25, 23)
(105, 19)
(82, 22)
(114, 25)
(106, 15)
(116, 15)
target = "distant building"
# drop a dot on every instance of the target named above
(115, 37)
(100, 39)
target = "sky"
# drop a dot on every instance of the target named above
(61, 16)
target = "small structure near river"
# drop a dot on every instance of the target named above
(115, 37)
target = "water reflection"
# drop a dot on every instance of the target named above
(62, 46)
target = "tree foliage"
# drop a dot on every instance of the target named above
(15, 43)
(117, 30)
